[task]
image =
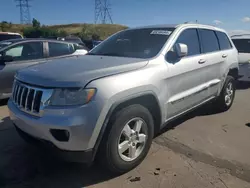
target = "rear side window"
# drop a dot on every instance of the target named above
(59, 49)
(209, 41)
(242, 45)
(224, 42)
(190, 38)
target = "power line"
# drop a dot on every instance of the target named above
(102, 12)
(24, 11)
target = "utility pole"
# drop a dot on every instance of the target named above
(24, 11)
(102, 12)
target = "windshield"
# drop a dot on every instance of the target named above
(7, 37)
(136, 43)
(242, 45)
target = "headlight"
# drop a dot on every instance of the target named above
(64, 97)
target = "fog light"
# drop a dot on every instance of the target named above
(60, 135)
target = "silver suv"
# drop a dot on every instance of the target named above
(110, 103)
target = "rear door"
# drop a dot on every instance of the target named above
(213, 60)
(24, 54)
(228, 52)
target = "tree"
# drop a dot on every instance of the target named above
(95, 37)
(89, 32)
(62, 33)
(36, 23)
(4, 26)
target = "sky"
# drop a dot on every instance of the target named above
(227, 14)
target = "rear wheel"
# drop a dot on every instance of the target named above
(226, 98)
(129, 139)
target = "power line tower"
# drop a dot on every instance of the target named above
(24, 11)
(102, 12)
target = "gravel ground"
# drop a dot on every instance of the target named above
(203, 149)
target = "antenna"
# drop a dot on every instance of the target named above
(24, 11)
(102, 12)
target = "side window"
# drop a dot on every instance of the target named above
(190, 38)
(209, 41)
(15, 51)
(26, 51)
(225, 43)
(59, 49)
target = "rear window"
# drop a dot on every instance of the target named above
(242, 45)
(8, 36)
(59, 49)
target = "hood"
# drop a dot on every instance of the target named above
(77, 71)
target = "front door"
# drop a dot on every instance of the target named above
(186, 80)
(24, 54)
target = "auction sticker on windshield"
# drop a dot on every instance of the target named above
(161, 32)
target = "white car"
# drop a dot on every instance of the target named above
(242, 43)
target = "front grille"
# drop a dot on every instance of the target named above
(29, 99)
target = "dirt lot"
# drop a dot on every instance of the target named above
(203, 149)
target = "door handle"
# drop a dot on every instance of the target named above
(224, 55)
(202, 61)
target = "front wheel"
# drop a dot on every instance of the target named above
(129, 139)
(226, 98)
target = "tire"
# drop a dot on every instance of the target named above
(221, 103)
(109, 154)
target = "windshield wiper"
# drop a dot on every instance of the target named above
(106, 54)
(91, 54)
(111, 54)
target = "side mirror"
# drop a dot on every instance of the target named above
(181, 49)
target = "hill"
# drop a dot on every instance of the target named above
(82, 30)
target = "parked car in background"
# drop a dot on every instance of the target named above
(74, 39)
(19, 53)
(9, 35)
(96, 42)
(92, 43)
(242, 43)
(111, 102)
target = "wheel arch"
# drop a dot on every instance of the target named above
(234, 72)
(147, 99)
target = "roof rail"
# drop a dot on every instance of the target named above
(237, 35)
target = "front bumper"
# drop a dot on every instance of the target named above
(72, 156)
(79, 122)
